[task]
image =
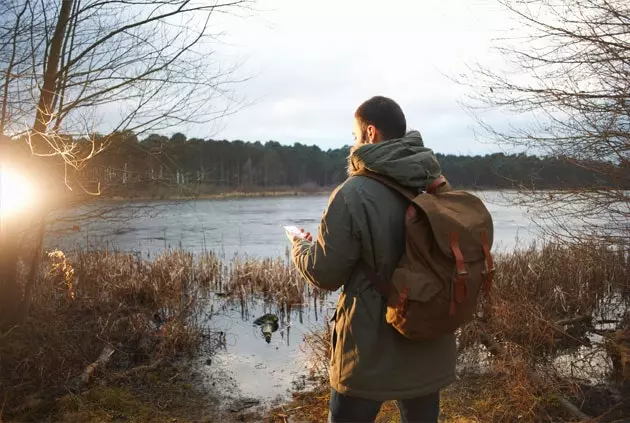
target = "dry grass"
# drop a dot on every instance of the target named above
(277, 282)
(546, 326)
(152, 313)
(509, 359)
(147, 311)
(536, 288)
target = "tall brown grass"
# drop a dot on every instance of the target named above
(547, 326)
(154, 311)
(536, 288)
(149, 312)
(543, 339)
(277, 282)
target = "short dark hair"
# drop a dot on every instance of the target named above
(386, 116)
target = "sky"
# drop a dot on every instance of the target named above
(310, 64)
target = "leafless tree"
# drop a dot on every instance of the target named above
(72, 68)
(563, 89)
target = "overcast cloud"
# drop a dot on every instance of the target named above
(313, 63)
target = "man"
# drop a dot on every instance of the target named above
(371, 362)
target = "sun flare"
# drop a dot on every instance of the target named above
(16, 192)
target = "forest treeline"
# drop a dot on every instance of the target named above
(131, 164)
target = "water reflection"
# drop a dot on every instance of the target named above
(262, 369)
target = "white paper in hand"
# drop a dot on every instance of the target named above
(293, 232)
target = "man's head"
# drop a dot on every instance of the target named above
(378, 119)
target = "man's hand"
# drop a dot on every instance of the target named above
(307, 236)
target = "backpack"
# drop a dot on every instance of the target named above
(436, 286)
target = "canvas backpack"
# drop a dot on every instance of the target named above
(447, 263)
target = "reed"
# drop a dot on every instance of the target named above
(542, 340)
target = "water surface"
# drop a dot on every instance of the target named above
(247, 227)
(251, 227)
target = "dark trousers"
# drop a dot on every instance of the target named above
(343, 408)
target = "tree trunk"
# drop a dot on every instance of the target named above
(25, 303)
(9, 288)
(46, 99)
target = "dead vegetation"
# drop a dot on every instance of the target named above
(103, 322)
(101, 315)
(104, 328)
(551, 344)
(277, 282)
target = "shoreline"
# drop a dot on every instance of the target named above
(220, 196)
(237, 195)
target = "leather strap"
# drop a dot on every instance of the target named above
(490, 270)
(459, 290)
(401, 310)
(438, 183)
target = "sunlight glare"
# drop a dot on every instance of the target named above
(16, 192)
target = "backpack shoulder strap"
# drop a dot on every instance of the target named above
(384, 288)
(406, 192)
(389, 182)
(438, 183)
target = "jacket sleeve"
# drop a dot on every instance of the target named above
(329, 261)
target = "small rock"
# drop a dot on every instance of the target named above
(209, 362)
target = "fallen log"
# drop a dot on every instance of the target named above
(569, 406)
(574, 320)
(101, 361)
(497, 349)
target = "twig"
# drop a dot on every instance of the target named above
(573, 320)
(611, 409)
(2, 335)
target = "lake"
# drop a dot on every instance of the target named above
(245, 227)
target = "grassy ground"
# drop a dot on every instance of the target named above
(459, 403)
(155, 395)
(150, 315)
(139, 317)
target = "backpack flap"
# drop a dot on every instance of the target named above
(461, 213)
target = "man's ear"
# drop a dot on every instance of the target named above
(374, 136)
(371, 133)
